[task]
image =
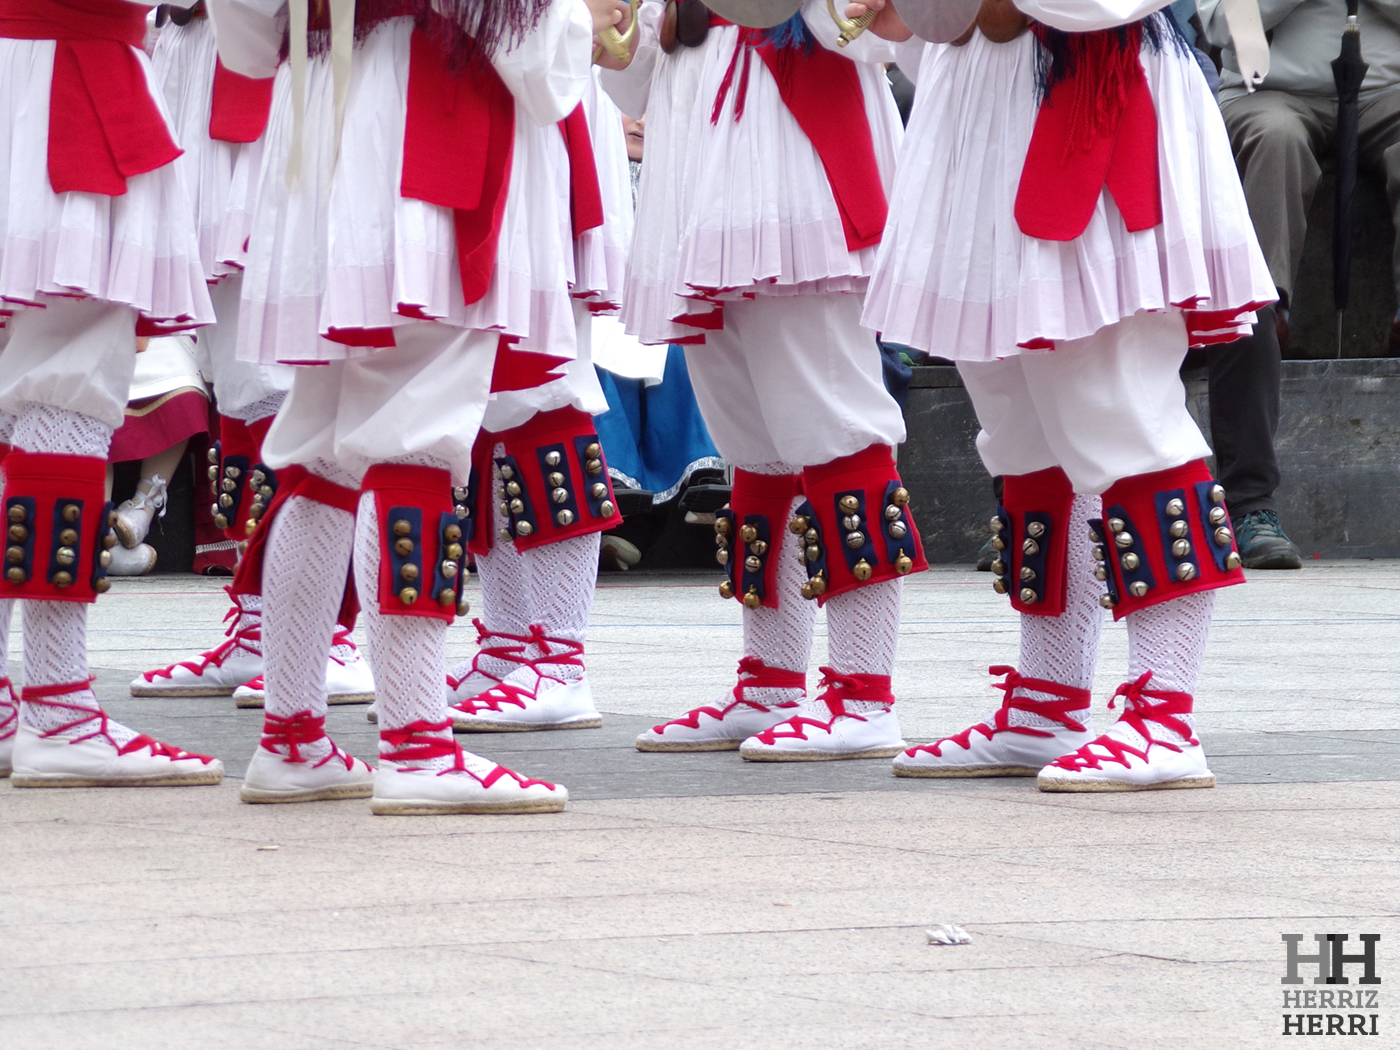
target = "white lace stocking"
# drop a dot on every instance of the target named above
(7, 606)
(407, 651)
(308, 552)
(781, 637)
(1170, 641)
(1065, 648)
(862, 628)
(55, 653)
(563, 577)
(43, 428)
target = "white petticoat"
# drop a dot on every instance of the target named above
(600, 255)
(728, 210)
(957, 277)
(138, 249)
(183, 66)
(342, 250)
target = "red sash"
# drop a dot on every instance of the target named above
(585, 196)
(822, 91)
(238, 111)
(103, 124)
(1097, 127)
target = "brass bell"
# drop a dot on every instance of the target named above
(516, 506)
(65, 555)
(460, 494)
(555, 479)
(998, 544)
(565, 516)
(402, 527)
(798, 525)
(232, 472)
(1098, 554)
(893, 513)
(454, 551)
(512, 488)
(997, 525)
(1130, 561)
(68, 538)
(464, 607)
(999, 585)
(212, 455)
(72, 512)
(752, 600)
(721, 541)
(1124, 539)
(855, 540)
(462, 511)
(898, 530)
(1181, 548)
(900, 497)
(592, 450)
(102, 585)
(109, 541)
(606, 508)
(1175, 508)
(1100, 574)
(807, 591)
(1027, 574)
(812, 536)
(818, 584)
(213, 473)
(15, 555)
(998, 568)
(447, 597)
(523, 528)
(403, 547)
(504, 535)
(507, 471)
(448, 569)
(1179, 529)
(62, 578)
(1217, 515)
(408, 595)
(257, 478)
(1030, 548)
(1223, 537)
(814, 553)
(726, 589)
(849, 504)
(452, 533)
(112, 520)
(104, 559)
(560, 495)
(1035, 529)
(256, 511)
(748, 533)
(553, 459)
(229, 485)
(19, 533)
(1028, 596)
(1116, 525)
(862, 570)
(1185, 571)
(226, 500)
(598, 491)
(409, 571)
(850, 521)
(593, 466)
(722, 555)
(1137, 588)
(265, 491)
(722, 526)
(1232, 561)
(249, 526)
(903, 565)
(1217, 494)
(753, 564)
(1106, 600)
(759, 547)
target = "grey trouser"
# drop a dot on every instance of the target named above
(1278, 140)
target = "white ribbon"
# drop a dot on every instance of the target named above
(1247, 36)
(342, 14)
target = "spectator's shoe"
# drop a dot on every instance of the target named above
(348, 677)
(297, 762)
(837, 724)
(617, 555)
(1018, 741)
(1152, 746)
(986, 556)
(413, 778)
(725, 728)
(1262, 543)
(133, 561)
(134, 516)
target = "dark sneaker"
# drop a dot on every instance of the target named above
(1262, 543)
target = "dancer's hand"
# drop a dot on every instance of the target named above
(614, 14)
(887, 22)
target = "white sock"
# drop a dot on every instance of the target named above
(563, 578)
(1170, 641)
(862, 629)
(781, 637)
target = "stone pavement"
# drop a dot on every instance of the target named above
(698, 901)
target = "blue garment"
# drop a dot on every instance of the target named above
(653, 436)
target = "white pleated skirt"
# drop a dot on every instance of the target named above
(732, 209)
(139, 249)
(957, 277)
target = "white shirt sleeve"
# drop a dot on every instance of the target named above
(551, 67)
(1084, 16)
(630, 88)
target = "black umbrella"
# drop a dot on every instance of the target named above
(1348, 71)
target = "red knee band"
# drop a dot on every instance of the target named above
(292, 481)
(552, 481)
(1031, 535)
(855, 524)
(1164, 535)
(4, 451)
(749, 533)
(58, 527)
(422, 559)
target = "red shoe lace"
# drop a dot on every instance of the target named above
(512, 653)
(300, 728)
(563, 652)
(558, 651)
(341, 638)
(753, 674)
(423, 741)
(1055, 710)
(836, 690)
(42, 695)
(1137, 712)
(10, 722)
(237, 637)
